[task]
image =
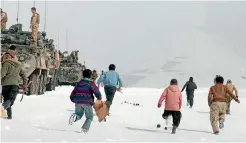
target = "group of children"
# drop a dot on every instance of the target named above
(219, 99)
(82, 94)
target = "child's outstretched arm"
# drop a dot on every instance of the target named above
(163, 97)
(96, 91)
(100, 80)
(184, 86)
(120, 81)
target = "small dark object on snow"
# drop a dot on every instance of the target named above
(158, 125)
(216, 132)
(134, 104)
(165, 128)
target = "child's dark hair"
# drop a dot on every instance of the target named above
(111, 67)
(219, 79)
(33, 8)
(87, 73)
(174, 82)
(191, 79)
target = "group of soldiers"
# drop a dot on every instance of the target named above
(34, 24)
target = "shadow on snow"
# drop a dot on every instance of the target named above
(205, 112)
(159, 131)
(61, 130)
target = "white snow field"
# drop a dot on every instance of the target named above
(45, 119)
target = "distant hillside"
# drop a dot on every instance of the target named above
(206, 40)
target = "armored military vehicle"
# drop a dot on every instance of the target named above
(40, 62)
(70, 71)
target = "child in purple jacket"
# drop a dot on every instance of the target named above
(82, 96)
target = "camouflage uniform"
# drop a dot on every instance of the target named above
(57, 59)
(217, 113)
(4, 20)
(34, 27)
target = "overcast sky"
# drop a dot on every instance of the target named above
(148, 39)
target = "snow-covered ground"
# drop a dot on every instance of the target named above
(45, 119)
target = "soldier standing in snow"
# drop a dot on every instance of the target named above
(10, 72)
(173, 102)
(190, 89)
(218, 104)
(231, 88)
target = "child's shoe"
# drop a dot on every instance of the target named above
(73, 118)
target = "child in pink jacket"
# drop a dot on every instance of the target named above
(173, 102)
